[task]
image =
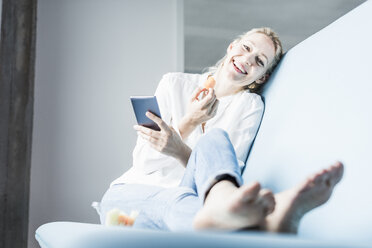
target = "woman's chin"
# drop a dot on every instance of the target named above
(233, 76)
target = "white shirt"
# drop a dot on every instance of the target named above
(239, 115)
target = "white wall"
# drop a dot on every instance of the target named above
(91, 56)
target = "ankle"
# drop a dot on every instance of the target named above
(223, 184)
(221, 188)
(223, 181)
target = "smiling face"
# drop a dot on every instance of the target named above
(248, 59)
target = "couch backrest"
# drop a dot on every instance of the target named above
(319, 110)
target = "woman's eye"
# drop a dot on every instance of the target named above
(259, 62)
(247, 48)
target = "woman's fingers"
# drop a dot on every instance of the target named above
(210, 104)
(150, 132)
(209, 99)
(154, 137)
(163, 126)
(159, 141)
(200, 109)
(153, 140)
(196, 93)
(146, 130)
(204, 92)
(157, 144)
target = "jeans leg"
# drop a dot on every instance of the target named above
(213, 155)
(175, 208)
(182, 210)
(159, 208)
(136, 197)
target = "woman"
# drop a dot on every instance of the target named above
(159, 158)
(211, 193)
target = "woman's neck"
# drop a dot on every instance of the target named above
(223, 87)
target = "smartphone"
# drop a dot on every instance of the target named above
(142, 104)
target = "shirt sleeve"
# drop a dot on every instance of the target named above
(243, 134)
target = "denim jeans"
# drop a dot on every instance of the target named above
(174, 208)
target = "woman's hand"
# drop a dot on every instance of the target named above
(166, 141)
(198, 111)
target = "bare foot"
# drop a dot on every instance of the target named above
(293, 204)
(230, 208)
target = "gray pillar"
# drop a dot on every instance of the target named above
(17, 61)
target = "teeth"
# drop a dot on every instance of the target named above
(241, 69)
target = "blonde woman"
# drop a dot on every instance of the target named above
(159, 158)
(176, 184)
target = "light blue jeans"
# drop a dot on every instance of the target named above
(174, 208)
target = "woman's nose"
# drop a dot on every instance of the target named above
(249, 59)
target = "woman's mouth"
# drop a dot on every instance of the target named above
(239, 68)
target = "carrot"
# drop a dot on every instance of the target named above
(210, 83)
(123, 220)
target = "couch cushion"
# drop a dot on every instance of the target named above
(318, 110)
(80, 235)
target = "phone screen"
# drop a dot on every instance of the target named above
(142, 104)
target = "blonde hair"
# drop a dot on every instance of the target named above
(255, 87)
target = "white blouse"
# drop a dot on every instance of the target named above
(239, 115)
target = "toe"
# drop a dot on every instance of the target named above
(250, 192)
(265, 193)
(338, 164)
(268, 202)
(325, 175)
(333, 176)
(318, 178)
(338, 171)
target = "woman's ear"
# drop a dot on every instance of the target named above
(230, 46)
(263, 79)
